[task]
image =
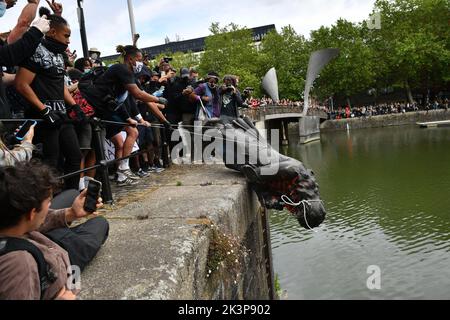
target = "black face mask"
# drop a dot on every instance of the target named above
(54, 46)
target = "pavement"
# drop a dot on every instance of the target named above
(159, 234)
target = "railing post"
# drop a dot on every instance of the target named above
(101, 159)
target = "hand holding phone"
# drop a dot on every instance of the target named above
(93, 193)
(24, 130)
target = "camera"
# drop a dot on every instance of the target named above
(229, 89)
(248, 90)
(167, 59)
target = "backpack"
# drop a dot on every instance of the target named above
(91, 77)
(46, 276)
(94, 97)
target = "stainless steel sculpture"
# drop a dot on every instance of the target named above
(318, 61)
(270, 85)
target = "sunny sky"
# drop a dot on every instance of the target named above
(108, 21)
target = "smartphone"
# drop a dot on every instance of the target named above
(21, 134)
(93, 193)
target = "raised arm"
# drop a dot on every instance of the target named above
(25, 19)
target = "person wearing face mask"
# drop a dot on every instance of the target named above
(94, 54)
(84, 65)
(193, 78)
(230, 99)
(40, 80)
(108, 95)
(208, 93)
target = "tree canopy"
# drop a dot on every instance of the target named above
(411, 50)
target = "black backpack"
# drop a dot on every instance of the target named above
(90, 78)
(46, 276)
(88, 86)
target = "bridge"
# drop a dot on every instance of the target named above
(278, 117)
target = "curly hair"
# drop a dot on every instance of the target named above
(23, 188)
(126, 51)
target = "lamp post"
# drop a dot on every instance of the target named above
(82, 29)
(132, 23)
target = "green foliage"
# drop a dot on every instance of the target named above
(352, 71)
(230, 50)
(412, 49)
(180, 59)
(413, 45)
(288, 53)
(226, 254)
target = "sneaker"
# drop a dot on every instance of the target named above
(146, 170)
(129, 174)
(142, 174)
(157, 170)
(127, 182)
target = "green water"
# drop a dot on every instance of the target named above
(387, 193)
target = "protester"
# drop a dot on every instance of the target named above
(40, 80)
(209, 95)
(230, 99)
(84, 65)
(108, 95)
(11, 55)
(27, 223)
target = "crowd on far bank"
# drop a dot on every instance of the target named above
(347, 112)
(384, 109)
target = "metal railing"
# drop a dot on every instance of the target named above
(260, 113)
(103, 165)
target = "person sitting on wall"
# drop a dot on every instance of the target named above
(34, 266)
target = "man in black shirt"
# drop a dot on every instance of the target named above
(230, 100)
(40, 81)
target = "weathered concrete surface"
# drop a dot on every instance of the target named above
(159, 239)
(385, 120)
(309, 128)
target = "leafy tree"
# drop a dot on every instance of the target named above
(181, 59)
(352, 72)
(230, 50)
(288, 53)
(413, 45)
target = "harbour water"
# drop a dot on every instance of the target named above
(387, 193)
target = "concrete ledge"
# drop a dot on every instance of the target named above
(158, 246)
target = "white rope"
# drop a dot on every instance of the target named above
(291, 203)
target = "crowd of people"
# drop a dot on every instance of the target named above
(66, 99)
(256, 103)
(384, 109)
(348, 112)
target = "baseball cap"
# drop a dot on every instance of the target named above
(184, 73)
